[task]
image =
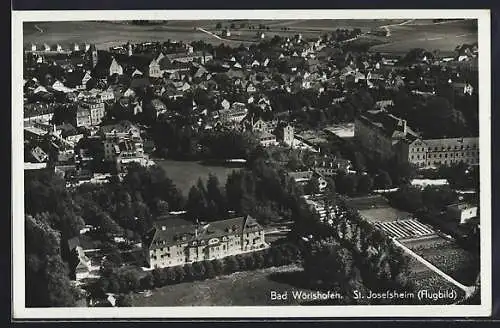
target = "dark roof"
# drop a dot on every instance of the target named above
(84, 242)
(140, 83)
(173, 234)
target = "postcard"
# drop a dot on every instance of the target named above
(251, 164)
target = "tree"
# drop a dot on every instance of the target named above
(47, 277)
(124, 300)
(382, 180)
(365, 184)
(231, 265)
(347, 184)
(209, 269)
(196, 206)
(218, 267)
(218, 26)
(159, 277)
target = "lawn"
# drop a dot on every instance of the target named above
(186, 174)
(386, 214)
(224, 291)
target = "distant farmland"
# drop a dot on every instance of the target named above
(403, 34)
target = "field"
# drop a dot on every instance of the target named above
(404, 34)
(453, 260)
(425, 34)
(186, 174)
(386, 214)
(223, 291)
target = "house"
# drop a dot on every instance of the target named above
(381, 133)
(154, 67)
(463, 88)
(266, 139)
(173, 243)
(90, 113)
(461, 212)
(120, 130)
(115, 68)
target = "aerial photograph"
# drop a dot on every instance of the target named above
(174, 163)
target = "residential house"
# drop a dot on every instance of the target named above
(115, 68)
(90, 113)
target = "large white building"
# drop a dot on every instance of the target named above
(389, 136)
(175, 242)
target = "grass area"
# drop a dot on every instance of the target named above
(386, 214)
(224, 291)
(442, 37)
(186, 174)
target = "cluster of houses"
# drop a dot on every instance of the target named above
(90, 81)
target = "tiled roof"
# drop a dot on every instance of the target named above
(174, 234)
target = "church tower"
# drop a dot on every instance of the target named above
(288, 135)
(129, 50)
(93, 55)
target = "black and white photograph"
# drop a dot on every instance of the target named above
(251, 164)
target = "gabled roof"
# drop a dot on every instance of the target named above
(174, 233)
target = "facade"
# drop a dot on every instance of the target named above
(461, 212)
(115, 68)
(177, 243)
(452, 151)
(267, 139)
(389, 136)
(90, 113)
(288, 135)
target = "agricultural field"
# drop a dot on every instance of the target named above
(403, 35)
(453, 260)
(443, 36)
(223, 291)
(428, 280)
(185, 174)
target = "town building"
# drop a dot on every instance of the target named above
(389, 136)
(461, 212)
(172, 243)
(90, 113)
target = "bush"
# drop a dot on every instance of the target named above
(231, 265)
(147, 282)
(209, 270)
(218, 267)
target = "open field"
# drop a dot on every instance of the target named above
(386, 214)
(411, 34)
(431, 36)
(453, 260)
(223, 291)
(185, 174)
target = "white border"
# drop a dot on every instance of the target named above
(19, 311)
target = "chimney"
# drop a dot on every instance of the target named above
(404, 127)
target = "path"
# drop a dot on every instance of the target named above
(39, 29)
(210, 33)
(469, 290)
(386, 27)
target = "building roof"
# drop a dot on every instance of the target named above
(122, 126)
(174, 234)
